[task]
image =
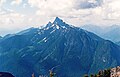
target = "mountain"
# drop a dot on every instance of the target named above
(118, 43)
(93, 28)
(110, 33)
(113, 34)
(67, 50)
(0, 38)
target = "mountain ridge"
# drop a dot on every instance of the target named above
(110, 32)
(69, 51)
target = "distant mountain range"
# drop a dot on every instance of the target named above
(93, 28)
(118, 43)
(0, 37)
(110, 33)
(67, 50)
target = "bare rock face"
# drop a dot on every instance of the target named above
(115, 72)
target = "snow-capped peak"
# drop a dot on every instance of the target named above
(57, 24)
(58, 20)
(60, 23)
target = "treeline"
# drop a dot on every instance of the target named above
(51, 74)
(103, 73)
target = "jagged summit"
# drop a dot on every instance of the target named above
(57, 24)
(58, 20)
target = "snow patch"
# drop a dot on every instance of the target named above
(63, 27)
(47, 28)
(52, 31)
(65, 44)
(52, 25)
(36, 53)
(39, 33)
(45, 39)
(23, 55)
(46, 57)
(104, 59)
(57, 27)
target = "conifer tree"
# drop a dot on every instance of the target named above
(86, 75)
(33, 75)
(51, 73)
(91, 75)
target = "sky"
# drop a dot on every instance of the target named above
(17, 15)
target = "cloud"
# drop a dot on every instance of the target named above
(1, 2)
(8, 16)
(103, 9)
(16, 2)
(10, 20)
(53, 5)
(111, 10)
(61, 8)
(76, 9)
(86, 4)
(77, 12)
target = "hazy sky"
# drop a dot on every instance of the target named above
(16, 15)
